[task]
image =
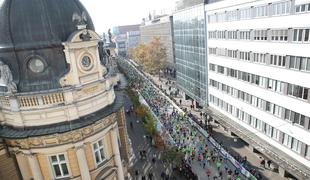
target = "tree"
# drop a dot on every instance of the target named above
(140, 54)
(150, 123)
(152, 56)
(157, 56)
(172, 157)
(141, 110)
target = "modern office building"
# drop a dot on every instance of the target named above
(161, 27)
(60, 117)
(133, 39)
(121, 34)
(190, 52)
(259, 77)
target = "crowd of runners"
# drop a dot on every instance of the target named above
(182, 132)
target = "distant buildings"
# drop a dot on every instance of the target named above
(126, 37)
(161, 27)
(133, 39)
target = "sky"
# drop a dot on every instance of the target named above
(109, 13)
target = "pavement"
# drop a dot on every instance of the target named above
(235, 145)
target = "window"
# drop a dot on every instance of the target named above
(220, 69)
(277, 60)
(307, 155)
(221, 34)
(279, 35)
(299, 63)
(294, 117)
(212, 67)
(245, 13)
(232, 15)
(99, 152)
(212, 50)
(260, 11)
(287, 140)
(260, 35)
(275, 134)
(244, 55)
(59, 166)
(302, 8)
(301, 35)
(259, 58)
(232, 34)
(298, 91)
(212, 34)
(244, 35)
(232, 53)
(221, 52)
(280, 8)
(296, 145)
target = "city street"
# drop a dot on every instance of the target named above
(236, 146)
(197, 167)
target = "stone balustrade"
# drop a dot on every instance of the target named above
(55, 106)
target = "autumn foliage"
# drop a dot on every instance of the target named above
(151, 56)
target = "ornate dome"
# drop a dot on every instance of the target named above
(31, 36)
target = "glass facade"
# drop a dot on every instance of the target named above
(190, 52)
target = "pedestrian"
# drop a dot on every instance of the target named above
(143, 178)
(269, 163)
(153, 160)
(141, 154)
(228, 176)
(163, 175)
(208, 173)
(136, 172)
(221, 174)
(131, 125)
(229, 172)
(218, 165)
(150, 176)
(226, 168)
(262, 163)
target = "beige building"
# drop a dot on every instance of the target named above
(60, 117)
(160, 27)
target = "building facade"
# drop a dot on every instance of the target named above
(161, 27)
(125, 36)
(259, 71)
(190, 52)
(133, 39)
(60, 117)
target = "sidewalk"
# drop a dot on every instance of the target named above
(236, 148)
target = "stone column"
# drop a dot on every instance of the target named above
(23, 166)
(80, 153)
(117, 157)
(35, 167)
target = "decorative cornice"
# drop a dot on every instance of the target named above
(64, 138)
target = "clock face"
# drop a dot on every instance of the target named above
(86, 62)
(36, 65)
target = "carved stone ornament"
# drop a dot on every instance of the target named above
(6, 77)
